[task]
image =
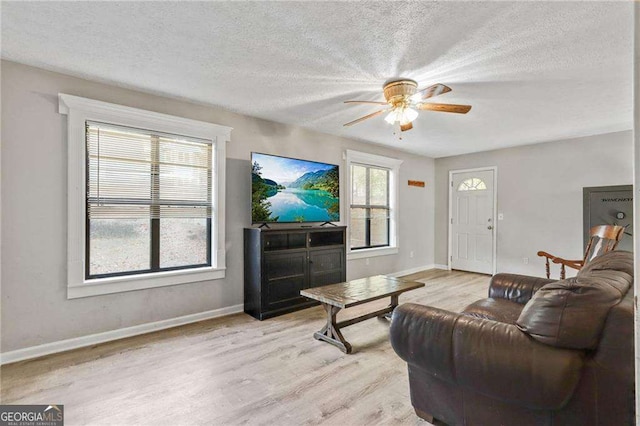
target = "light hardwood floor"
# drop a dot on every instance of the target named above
(237, 370)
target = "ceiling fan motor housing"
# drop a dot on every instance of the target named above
(399, 92)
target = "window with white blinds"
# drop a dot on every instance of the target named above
(369, 207)
(373, 204)
(145, 196)
(149, 201)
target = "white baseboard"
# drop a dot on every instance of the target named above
(107, 336)
(411, 271)
(438, 266)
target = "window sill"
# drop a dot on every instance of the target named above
(111, 285)
(372, 252)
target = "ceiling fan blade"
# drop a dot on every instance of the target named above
(373, 114)
(366, 102)
(405, 127)
(460, 109)
(431, 91)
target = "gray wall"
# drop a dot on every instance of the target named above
(540, 195)
(35, 309)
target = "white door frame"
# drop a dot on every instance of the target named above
(495, 213)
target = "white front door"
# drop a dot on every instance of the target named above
(472, 221)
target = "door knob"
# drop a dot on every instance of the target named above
(489, 227)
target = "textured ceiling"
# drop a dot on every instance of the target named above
(533, 71)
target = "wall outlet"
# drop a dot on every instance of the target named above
(366, 261)
(411, 254)
(525, 260)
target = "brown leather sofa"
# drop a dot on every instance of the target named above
(536, 352)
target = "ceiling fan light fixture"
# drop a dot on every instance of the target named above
(409, 114)
(401, 115)
(392, 117)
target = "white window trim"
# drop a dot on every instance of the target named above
(78, 111)
(394, 189)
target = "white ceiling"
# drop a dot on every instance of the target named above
(533, 71)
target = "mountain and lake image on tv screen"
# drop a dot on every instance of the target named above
(291, 190)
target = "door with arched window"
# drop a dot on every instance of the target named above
(472, 221)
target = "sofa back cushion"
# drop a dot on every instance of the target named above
(571, 313)
(618, 260)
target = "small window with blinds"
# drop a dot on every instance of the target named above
(148, 203)
(372, 211)
(370, 207)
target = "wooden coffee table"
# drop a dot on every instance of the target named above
(335, 297)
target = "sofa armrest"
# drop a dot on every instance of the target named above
(517, 288)
(492, 358)
(422, 336)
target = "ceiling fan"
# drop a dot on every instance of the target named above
(403, 99)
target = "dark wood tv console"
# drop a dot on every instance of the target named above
(279, 262)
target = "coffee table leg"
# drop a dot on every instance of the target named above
(393, 305)
(330, 333)
(394, 301)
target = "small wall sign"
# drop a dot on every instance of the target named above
(418, 183)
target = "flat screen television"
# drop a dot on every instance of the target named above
(287, 190)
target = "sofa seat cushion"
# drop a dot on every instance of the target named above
(500, 310)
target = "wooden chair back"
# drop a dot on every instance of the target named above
(603, 238)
